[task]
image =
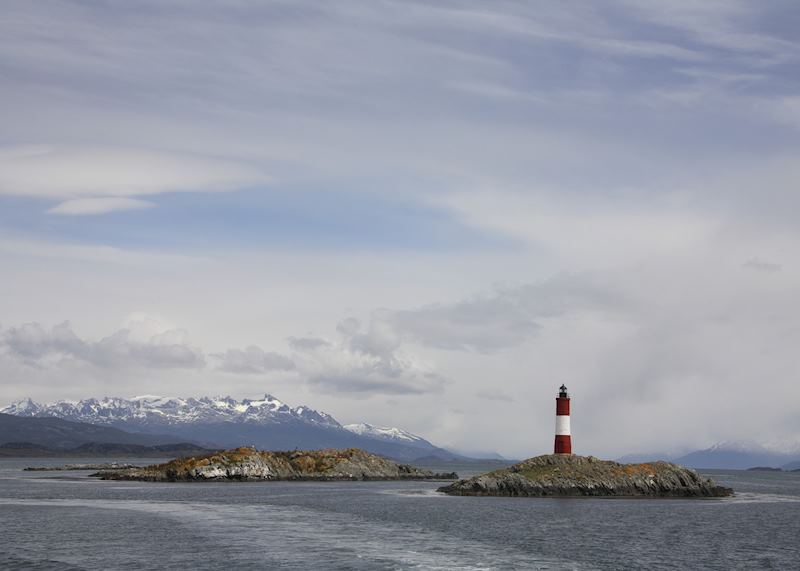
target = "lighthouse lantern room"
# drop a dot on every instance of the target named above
(563, 436)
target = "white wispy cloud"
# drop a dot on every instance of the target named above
(93, 253)
(100, 180)
(89, 206)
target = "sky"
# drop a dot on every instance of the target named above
(417, 214)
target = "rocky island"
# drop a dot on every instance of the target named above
(250, 464)
(78, 467)
(556, 475)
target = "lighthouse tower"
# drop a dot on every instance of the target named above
(563, 437)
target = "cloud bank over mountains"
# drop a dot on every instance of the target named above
(365, 358)
(640, 345)
(353, 364)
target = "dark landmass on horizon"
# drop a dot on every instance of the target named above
(101, 450)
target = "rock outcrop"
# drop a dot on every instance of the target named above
(251, 464)
(78, 467)
(568, 475)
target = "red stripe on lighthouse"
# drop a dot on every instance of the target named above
(563, 444)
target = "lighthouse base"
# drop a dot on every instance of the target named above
(563, 444)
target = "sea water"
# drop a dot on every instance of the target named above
(68, 521)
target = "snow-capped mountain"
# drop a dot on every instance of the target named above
(740, 455)
(224, 421)
(384, 433)
(149, 409)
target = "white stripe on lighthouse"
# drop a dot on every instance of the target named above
(562, 426)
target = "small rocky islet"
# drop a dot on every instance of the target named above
(566, 475)
(249, 464)
(79, 467)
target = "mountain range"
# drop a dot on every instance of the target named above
(730, 455)
(225, 422)
(268, 423)
(62, 434)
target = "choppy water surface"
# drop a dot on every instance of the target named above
(65, 520)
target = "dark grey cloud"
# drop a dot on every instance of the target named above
(33, 341)
(486, 323)
(371, 358)
(36, 345)
(253, 360)
(364, 363)
(362, 384)
(358, 363)
(168, 349)
(760, 265)
(306, 343)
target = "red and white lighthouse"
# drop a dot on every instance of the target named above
(563, 436)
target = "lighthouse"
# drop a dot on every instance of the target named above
(563, 437)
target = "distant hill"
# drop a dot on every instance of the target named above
(642, 457)
(225, 422)
(58, 434)
(101, 449)
(790, 466)
(736, 456)
(727, 455)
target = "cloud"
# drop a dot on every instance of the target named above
(306, 343)
(494, 396)
(725, 25)
(39, 346)
(360, 383)
(166, 350)
(572, 27)
(253, 360)
(485, 323)
(482, 324)
(307, 107)
(760, 265)
(96, 254)
(87, 206)
(95, 180)
(589, 229)
(364, 363)
(360, 363)
(33, 341)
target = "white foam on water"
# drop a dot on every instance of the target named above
(755, 498)
(53, 480)
(426, 494)
(301, 536)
